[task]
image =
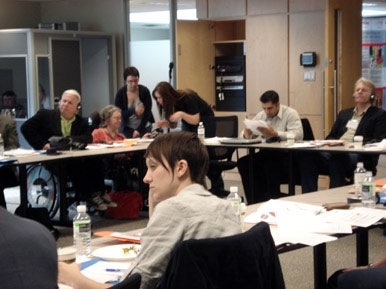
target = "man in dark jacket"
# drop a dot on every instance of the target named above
(86, 174)
(362, 120)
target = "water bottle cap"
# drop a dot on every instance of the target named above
(200, 123)
(234, 189)
(81, 208)
(360, 164)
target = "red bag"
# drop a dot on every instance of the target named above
(129, 205)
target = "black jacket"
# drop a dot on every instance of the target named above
(46, 123)
(372, 127)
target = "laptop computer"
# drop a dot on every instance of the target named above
(235, 140)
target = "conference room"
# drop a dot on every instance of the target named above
(269, 38)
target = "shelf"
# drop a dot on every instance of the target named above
(228, 42)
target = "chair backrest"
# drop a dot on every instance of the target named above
(307, 130)
(248, 260)
(226, 126)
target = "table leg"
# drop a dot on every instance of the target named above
(63, 213)
(362, 238)
(251, 175)
(23, 190)
(320, 266)
(291, 170)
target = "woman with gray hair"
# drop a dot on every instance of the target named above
(111, 118)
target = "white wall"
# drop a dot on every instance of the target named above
(152, 59)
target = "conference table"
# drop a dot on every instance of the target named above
(331, 146)
(23, 161)
(319, 251)
(337, 195)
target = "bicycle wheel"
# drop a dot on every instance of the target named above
(42, 189)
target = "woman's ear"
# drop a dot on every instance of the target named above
(182, 167)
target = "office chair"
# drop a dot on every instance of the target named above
(220, 157)
(247, 260)
(132, 281)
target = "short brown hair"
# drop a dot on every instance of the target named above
(176, 146)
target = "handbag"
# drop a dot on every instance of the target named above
(129, 205)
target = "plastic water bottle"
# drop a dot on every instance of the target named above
(368, 191)
(359, 176)
(1, 146)
(235, 200)
(82, 234)
(201, 131)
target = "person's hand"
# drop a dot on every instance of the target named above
(136, 134)
(139, 110)
(247, 133)
(46, 146)
(162, 123)
(354, 268)
(267, 132)
(175, 117)
(68, 273)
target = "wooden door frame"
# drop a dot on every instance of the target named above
(348, 62)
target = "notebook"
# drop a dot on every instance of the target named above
(236, 140)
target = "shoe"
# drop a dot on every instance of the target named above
(106, 199)
(97, 202)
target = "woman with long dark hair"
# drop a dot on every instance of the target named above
(185, 105)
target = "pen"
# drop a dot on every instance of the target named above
(115, 270)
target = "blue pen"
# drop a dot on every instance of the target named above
(115, 270)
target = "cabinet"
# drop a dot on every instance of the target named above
(198, 45)
(210, 9)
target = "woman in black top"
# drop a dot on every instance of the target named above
(185, 105)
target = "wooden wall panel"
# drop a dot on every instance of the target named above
(266, 58)
(306, 5)
(226, 8)
(261, 7)
(306, 34)
(194, 56)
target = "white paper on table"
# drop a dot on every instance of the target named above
(98, 271)
(361, 217)
(305, 238)
(213, 140)
(254, 124)
(20, 152)
(313, 224)
(273, 210)
(379, 146)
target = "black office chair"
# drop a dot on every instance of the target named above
(248, 260)
(133, 281)
(220, 157)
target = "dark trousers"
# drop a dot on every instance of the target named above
(339, 167)
(269, 168)
(359, 279)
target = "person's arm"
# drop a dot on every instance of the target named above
(38, 129)
(381, 263)
(189, 118)
(69, 274)
(293, 125)
(11, 140)
(145, 97)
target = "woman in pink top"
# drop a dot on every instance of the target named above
(111, 118)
